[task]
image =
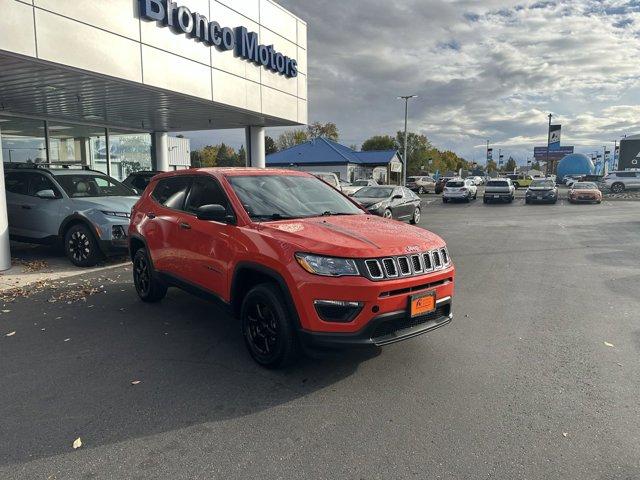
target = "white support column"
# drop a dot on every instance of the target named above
(257, 155)
(5, 253)
(161, 154)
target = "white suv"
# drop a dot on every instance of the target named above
(618, 182)
(460, 189)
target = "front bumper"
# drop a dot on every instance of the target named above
(384, 329)
(541, 198)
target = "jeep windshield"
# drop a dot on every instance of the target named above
(83, 185)
(283, 197)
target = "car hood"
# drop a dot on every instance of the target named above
(352, 236)
(112, 204)
(368, 201)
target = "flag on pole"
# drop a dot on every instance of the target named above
(554, 137)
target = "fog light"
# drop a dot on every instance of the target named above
(118, 233)
(337, 311)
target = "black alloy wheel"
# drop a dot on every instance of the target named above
(267, 327)
(81, 247)
(617, 187)
(149, 289)
(421, 191)
(388, 214)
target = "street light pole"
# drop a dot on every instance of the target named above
(487, 164)
(548, 143)
(406, 134)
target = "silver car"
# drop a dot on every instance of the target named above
(618, 182)
(84, 210)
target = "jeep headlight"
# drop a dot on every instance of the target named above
(375, 206)
(327, 266)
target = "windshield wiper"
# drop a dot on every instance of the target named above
(329, 213)
(273, 216)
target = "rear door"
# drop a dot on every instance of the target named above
(30, 216)
(17, 186)
(206, 247)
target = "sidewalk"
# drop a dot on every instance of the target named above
(37, 263)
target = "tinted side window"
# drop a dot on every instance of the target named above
(171, 192)
(40, 182)
(17, 182)
(140, 182)
(205, 191)
(626, 174)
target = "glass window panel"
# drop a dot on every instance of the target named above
(76, 145)
(130, 152)
(23, 140)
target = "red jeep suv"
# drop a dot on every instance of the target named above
(299, 263)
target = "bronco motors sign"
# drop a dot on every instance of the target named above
(240, 40)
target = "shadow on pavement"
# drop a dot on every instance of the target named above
(73, 379)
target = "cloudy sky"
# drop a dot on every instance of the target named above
(483, 70)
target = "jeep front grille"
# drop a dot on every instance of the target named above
(407, 266)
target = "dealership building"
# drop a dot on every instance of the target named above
(95, 82)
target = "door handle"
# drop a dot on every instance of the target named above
(185, 226)
(26, 207)
(151, 215)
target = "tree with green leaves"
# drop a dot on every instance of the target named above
(379, 142)
(210, 155)
(291, 138)
(492, 166)
(270, 145)
(226, 156)
(327, 130)
(510, 166)
(242, 157)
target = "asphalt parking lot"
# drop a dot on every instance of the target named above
(536, 378)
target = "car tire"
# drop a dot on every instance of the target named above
(468, 199)
(387, 214)
(527, 201)
(484, 200)
(475, 195)
(617, 187)
(268, 327)
(148, 287)
(445, 200)
(416, 216)
(81, 246)
(421, 191)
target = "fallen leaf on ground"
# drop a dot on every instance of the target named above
(6, 311)
(77, 443)
(136, 382)
(609, 344)
(67, 339)
(10, 334)
(564, 434)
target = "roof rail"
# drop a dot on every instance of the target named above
(48, 166)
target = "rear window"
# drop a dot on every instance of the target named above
(171, 192)
(455, 184)
(497, 183)
(543, 184)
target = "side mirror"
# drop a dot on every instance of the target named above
(46, 194)
(214, 213)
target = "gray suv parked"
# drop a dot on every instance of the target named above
(84, 210)
(618, 182)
